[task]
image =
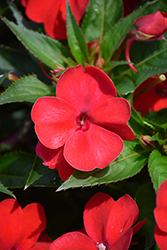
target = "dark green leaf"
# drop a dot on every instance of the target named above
(158, 168)
(110, 65)
(124, 85)
(43, 47)
(3, 76)
(6, 191)
(130, 162)
(42, 175)
(164, 4)
(145, 199)
(27, 88)
(115, 35)
(14, 169)
(75, 37)
(100, 15)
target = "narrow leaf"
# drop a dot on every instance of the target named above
(130, 162)
(75, 37)
(117, 33)
(99, 17)
(6, 191)
(157, 166)
(4, 76)
(50, 177)
(14, 169)
(27, 88)
(42, 46)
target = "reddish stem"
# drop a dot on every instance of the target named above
(127, 52)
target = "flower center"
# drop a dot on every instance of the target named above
(100, 246)
(83, 122)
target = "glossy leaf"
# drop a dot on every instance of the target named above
(14, 169)
(157, 168)
(4, 76)
(123, 85)
(115, 35)
(145, 198)
(42, 46)
(42, 175)
(130, 162)
(75, 37)
(27, 88)
(99, 17)
(4, 190)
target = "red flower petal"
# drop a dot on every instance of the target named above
(96, 214)
(122, 216)
(54, 121)
(138, 226)
(34, 222)
(124, 242)
(53, 158)
(160, 212)
(94, 148)
(86, 87)
(38, 10)
(160, 238)
(113, 115)
(73, 241)
(161, 199)
(10, 223)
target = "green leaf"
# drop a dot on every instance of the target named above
(4, 76)
(110, 65)
(145, 198)
(159, 117)
(42, 175)
(14, 169)
(27, 88)
(6, 191)
(99, 17)
(130, 162)
(123, 85)
(75, 37)
(164, 4)
(157, 166)
(115, 35)
(138, 125)
(43, 47)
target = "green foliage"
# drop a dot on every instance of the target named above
(6, 191)
(129, 162)
(27, 88)
(99, 17)
(42, 46)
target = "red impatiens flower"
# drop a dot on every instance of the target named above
(108, 225)
(52, 13)
(86, 120)
(151, 26)
(153, 99)
(21, 228)
(160, 214)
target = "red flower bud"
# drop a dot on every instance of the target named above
(151, 26)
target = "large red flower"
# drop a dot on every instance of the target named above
(52, 13)
(21, 228)
(108, 225)
(153, 99)
(86, 119)
(160, 213)
(151, 26)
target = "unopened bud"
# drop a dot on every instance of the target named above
(145, 143)
(12, 77)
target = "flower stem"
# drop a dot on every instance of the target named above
(156, 80)
(127, 52)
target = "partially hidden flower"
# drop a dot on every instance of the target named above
(151, 26)
(52, 13)
(22, 228)
(85, 122)
(160, 214)
(152, 99)
(107, 223)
